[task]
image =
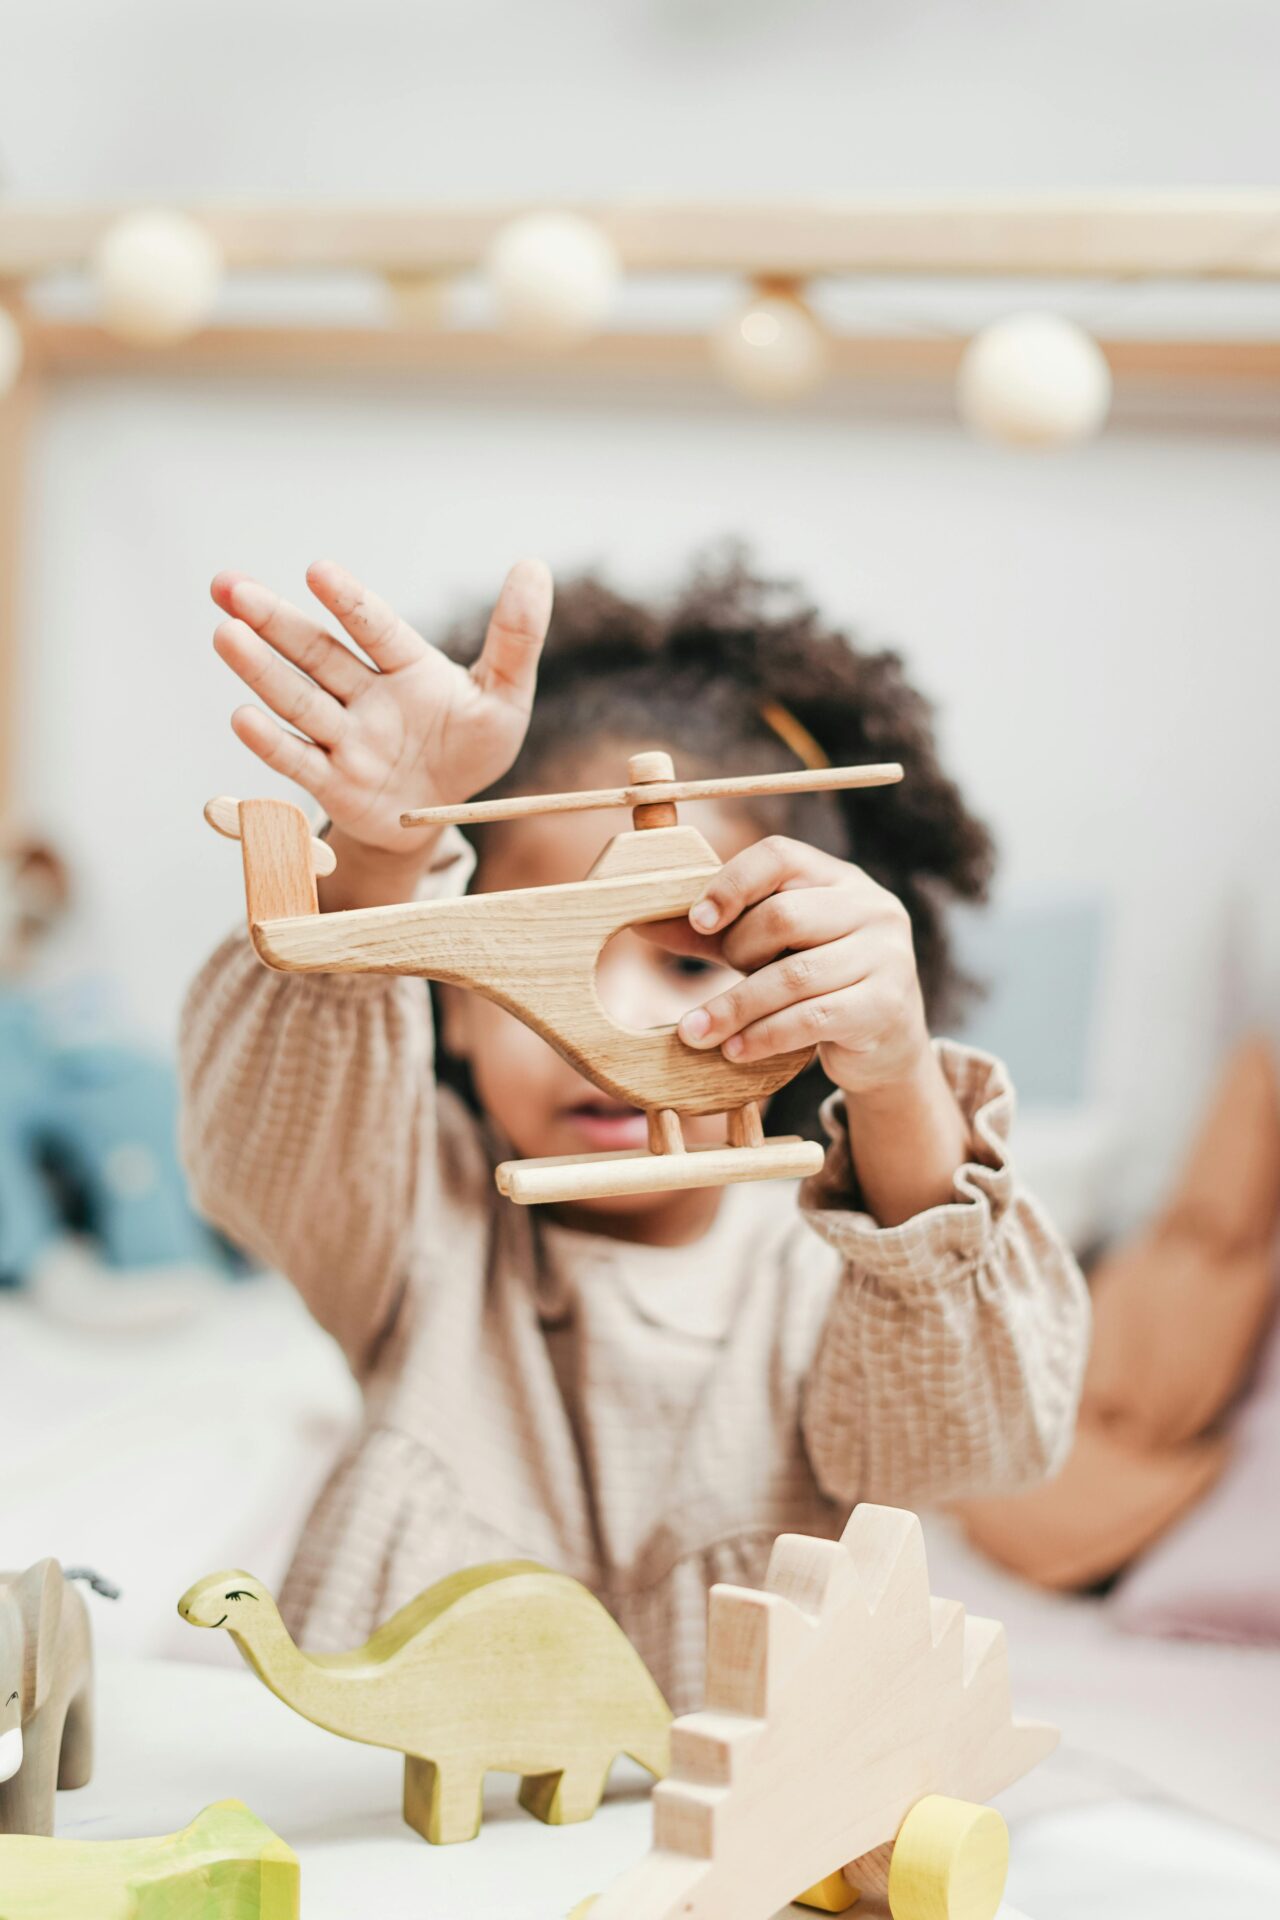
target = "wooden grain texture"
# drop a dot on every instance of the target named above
(227, 1865)
(46, 1695)
(644, 769)
(746, 1128)
(506, 1667)
(634, 1170)
(522, 806)
(858, 364)
(1216, 235)
(279, 871)
(223, 815)
(838, 1698)
(534, 951)
(665, 1133)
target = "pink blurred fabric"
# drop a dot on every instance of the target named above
(1216, 1575)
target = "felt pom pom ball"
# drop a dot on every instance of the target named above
(157, 275)
(772, 348)
(10, 351)
(553, 277)
(1034, 380)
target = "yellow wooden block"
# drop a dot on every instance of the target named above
(950, 1861)
(832, 1895)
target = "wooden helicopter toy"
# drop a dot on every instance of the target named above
(534, 950)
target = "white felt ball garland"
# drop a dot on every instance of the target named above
(1034, 380)
(10, 352)
(771, 348)
(553, 277)
(157, 275)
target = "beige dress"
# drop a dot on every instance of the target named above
(646, 1419)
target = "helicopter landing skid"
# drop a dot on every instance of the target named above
(596, 1176)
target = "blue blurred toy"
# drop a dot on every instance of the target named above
(88, 1131)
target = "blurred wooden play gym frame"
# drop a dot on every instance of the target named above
(1180, 237)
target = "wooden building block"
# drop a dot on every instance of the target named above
(832, 1895)
(505, 1667)
(225, 1866)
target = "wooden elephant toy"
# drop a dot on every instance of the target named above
(46, 1695)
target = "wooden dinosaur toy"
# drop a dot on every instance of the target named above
(535, 950)
(46, 1695)
(508, 1667)
(225, 1866)
(852, 1725)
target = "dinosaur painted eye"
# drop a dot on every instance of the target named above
(238, 1594)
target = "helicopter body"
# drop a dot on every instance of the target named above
(535, 950)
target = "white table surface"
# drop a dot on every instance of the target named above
(173, 1738)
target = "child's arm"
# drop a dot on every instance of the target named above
(953, 1355)
(308, 1101)
(308, 1120)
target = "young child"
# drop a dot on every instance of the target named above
(642, 1392)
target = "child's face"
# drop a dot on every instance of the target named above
(541, 1103)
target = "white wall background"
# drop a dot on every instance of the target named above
(1099, 629)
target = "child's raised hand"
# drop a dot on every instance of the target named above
(406, 726)
(828, 960)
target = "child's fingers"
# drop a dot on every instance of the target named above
(293, 633)
(389, 641)
(286, 691)
(222, 586)
(284, 752)
(792, 919)
(508, 663)
(838, 1017)
(754, 874)
(798, 977)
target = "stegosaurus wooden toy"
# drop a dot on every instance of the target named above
(845, 1706)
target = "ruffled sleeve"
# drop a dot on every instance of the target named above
(953, 1353)
(308, 1119)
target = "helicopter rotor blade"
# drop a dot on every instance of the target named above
(654, 792)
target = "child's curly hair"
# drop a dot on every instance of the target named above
(696, 675)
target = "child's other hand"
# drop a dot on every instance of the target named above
(828, 959)
(406, 727)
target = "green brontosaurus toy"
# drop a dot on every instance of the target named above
(507, 1667)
